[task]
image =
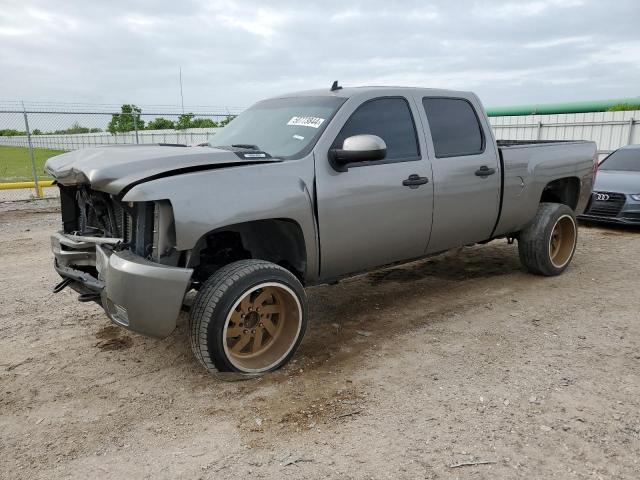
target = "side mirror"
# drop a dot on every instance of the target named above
(358, 148)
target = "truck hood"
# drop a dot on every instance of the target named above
(617, 181)
(112, 168)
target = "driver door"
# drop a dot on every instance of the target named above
(367, 217)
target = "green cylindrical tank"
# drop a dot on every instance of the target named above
(565, 107)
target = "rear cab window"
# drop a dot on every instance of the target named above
(455, 127)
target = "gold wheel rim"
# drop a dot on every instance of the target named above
(262, 327)
(563, 241)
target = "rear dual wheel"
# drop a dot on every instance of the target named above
(547, 245)
(249, 317)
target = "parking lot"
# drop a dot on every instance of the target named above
(408, 372)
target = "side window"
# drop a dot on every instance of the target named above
(454, 126)
(389, 119)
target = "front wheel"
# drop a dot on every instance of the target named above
(249, 317)
(547, 245)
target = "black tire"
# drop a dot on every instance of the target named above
(535, 244)
(221, 299)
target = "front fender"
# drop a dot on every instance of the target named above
(206, 201)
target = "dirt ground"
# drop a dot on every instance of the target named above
(404, 373)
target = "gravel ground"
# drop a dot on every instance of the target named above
(408, 372)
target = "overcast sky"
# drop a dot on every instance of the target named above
(236, 52)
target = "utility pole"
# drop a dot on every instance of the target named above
(181, 96)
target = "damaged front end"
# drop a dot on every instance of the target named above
(122, 256)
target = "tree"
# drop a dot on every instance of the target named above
(621, 107)
(203, 123)
(184, 121)
(36, 131)
(127, 121)
(187, 120)
(10, 132)
(226, 121)
(160, 124)
(74, 128)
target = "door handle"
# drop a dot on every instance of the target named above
(414, 181)
(485, 171)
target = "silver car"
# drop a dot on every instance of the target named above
(616, 192)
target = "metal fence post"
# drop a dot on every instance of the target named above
(630, 137)
(135, 124)
(539, 130)
(33, 160)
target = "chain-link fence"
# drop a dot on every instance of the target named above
(31, 133)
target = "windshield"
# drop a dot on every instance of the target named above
(623, 160)
(281, 127)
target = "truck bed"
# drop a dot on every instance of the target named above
(529, 165)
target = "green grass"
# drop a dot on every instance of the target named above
(15, 163)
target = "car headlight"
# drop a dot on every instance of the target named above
(636, 197)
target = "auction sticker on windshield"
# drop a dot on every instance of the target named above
(313, 122)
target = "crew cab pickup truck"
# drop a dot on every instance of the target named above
(303, 189)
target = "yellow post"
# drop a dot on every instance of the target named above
(20, 185)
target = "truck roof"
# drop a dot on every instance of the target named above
(348, 92)
(630, 147)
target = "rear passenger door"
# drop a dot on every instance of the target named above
(466, 172)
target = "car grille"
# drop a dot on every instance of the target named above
(102, 216)
(124, 222)
(609, 206)
(631, 216)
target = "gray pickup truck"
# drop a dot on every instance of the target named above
(298, 190)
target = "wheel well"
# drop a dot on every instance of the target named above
(563, 190)
(280, 241)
